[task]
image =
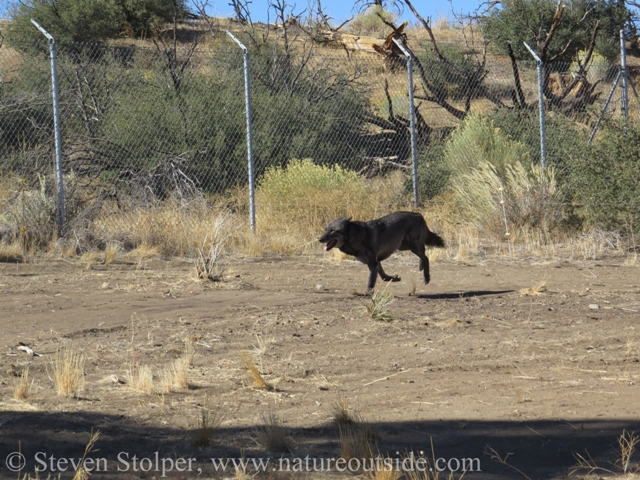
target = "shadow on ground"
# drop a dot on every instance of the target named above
(539, 449)
(469, 294)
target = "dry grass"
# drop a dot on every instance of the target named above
(258, 381)
(68, 372)
(174, 376)
(140, 379)
(209, 420)
(263, 342)
(342, 415)
(89, 260)
(111, 252)
(356, 441)
(272, 435)
(537, 289)
(13, 253)
(23, 386)
(82, 473)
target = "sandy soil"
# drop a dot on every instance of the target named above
(468, 364)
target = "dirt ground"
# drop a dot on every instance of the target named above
(469, 365)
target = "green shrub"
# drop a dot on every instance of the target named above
(446, 83)
(488, 168)
(433, 172)
(369, 22)
(477, 140)
(606, 181)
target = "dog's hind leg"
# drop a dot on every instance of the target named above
(385, 277)
(424, 261)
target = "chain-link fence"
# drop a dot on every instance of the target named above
(146, 126)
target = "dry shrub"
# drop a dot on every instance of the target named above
(296, 202)
(272, 435)
(209, 264)
(68, 372)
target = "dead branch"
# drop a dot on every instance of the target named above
(557, 16)
(521, 102)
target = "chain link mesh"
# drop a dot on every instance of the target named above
(165, 125)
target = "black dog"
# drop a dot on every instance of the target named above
(374, 241)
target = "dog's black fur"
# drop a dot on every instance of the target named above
(374, 241)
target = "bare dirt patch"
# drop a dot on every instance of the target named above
(481, 358)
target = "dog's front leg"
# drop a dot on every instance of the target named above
(373, 275)
(385, 277)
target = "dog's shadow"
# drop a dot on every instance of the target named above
(469, 294)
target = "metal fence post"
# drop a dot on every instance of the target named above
(604, 109)
(623, 67)
(543, 140)
(412, 120)
(247, 99)
(56, 125)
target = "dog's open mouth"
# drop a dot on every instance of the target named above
(330, 244)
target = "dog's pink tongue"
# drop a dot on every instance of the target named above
(325, 247)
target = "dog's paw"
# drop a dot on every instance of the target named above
(427, 280)
(395, 278)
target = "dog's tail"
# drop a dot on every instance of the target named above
(434, 240)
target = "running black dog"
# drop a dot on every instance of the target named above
(374, 241)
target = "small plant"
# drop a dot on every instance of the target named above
(272, 435)
(376, 305)
(68, 372)
(263, 342)
(258, 381)
(627, 443)
(23, 385)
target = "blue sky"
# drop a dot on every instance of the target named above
(341, 10)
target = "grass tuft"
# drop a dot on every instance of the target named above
(537, 289)
(272, 435)
(68, 372)
(258, 381)
(23, 386)
(140, 379)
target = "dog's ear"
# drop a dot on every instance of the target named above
(348, 219)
